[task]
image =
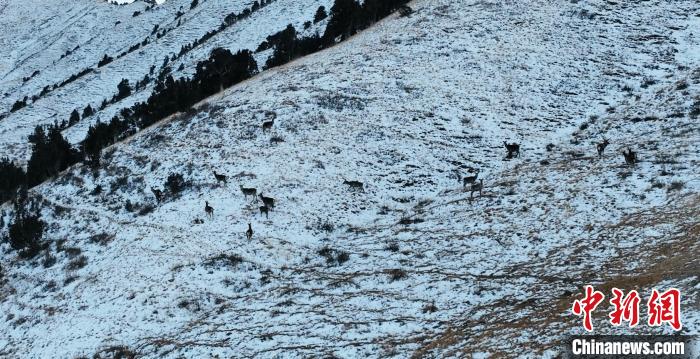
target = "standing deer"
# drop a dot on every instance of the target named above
(267, 125)
(267, 201)
(476, 187)
(630, 157)
(601, 146)
(470, 179)
(249, 192)
(249, 232)
(355, 185)
(513, 149)
(209, 210)
(157, 193)
(220, 178)
(266, 211)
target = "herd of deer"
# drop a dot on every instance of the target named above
(268, 202)
(514, 151)
(473, 182)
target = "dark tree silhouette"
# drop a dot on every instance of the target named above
(321, 14)
(12, 177)
(51, 154)
(74, 118)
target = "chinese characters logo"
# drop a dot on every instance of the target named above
(662, 308)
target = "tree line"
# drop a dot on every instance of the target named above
(52, 153)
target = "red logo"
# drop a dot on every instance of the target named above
(661, 307)
(626, 308)
(665, 308)
(587, 305)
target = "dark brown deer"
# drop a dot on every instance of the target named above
(355, 185)
(513, 149)
(470, 179)
(220, 178)
(267, 201)
(476, 187)
(157, 193)
(249, 232)
(209, 210)
(249, 192)
(601, 146)
(267, 125)
(266, 211)
(630, 157)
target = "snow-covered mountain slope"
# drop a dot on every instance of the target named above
(87, 32)
(411, 265)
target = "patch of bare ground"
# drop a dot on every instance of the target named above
(506, 327)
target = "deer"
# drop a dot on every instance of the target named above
(513, 149)
(600, 146)
(267, 201)
(470, 179)
(476, 187)
(220, 178)
(267, 125)
(630, 157)
(249, 232)
(157, 193)
(209, 210)
(266, 211)
(355, 185)
(249, 192)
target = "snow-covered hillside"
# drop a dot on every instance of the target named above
(413, 265)
(63, 38)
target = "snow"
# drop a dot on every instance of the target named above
(398, 107)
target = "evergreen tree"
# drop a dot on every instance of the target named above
(123, 89)
(11, 178)
(51, 154)
(74, 118)
(321, 14)
(343, 22)
(27, 229)
(88, 111)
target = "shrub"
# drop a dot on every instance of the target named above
(19, 104)
(175, 184)
(333, 257)
(105, 60)
(77, 263)
(397, 274)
